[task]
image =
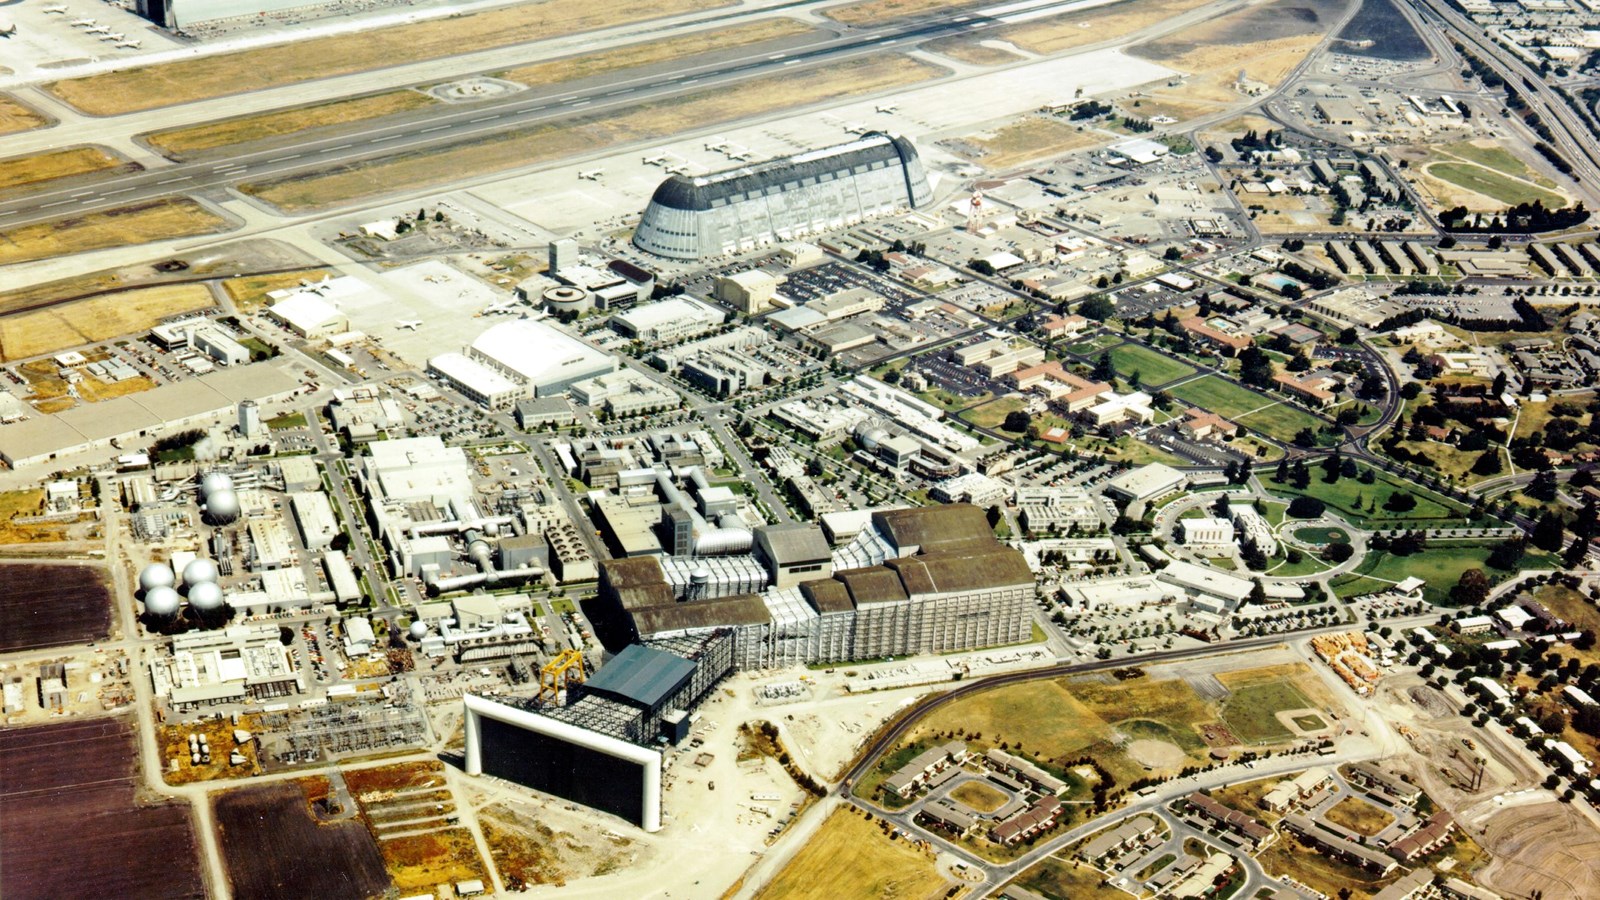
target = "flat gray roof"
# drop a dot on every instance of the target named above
(644, 675)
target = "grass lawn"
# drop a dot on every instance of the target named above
(1166, 860)
(979, 796)
(287, 421)
(1440, 565)
(1494, 185)
(1251, 712)
(1094, 345)
(1309, 564)
(1359, 816)
(855, 859)
(1321, 534)
(1341, 497)
(991, 414)
(1497, 158)
(1154, 368)
(1281, 421)
(1317, 871)
(1067, 881)
(1255, 411)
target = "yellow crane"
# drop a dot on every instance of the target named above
(563, 670)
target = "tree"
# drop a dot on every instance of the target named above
(1104, 369)
(1017, 421)
(1548, 532)
(1488, 463)
(1400, 501)
(1258, 592)
(1576, 551)
(1472, 589)
(1305, 437)
(1306, 507)
(1339, 552)
(1173, 254)
(1348, 336)
(1098, 308)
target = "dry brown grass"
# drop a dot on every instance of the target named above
(186, 81)
(27, 503)
(401, 776)
(883, 10)
(421, 862)
(649, 53)
(34, 168)
(1359, 816)
(292, 120)
(250, 293)
(16, 117)
(597, 131)
(970, 51)
(979, 796)
(97, 319)
(1278, 36)
(1064, 32)
(854, 858)
(21, 298)
(1035, 137)
(93, 390)
(173, 741)
(127, 226)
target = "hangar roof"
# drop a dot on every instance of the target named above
(643, 675)
(700, 193)
(744, 609)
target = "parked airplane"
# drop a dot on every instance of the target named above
(888, 107)
(131, 45)
(83, 23)
(591, 174)
(505, 307)
(98, 29)
(113, 36)
(7, 28)
(655, 159)
(408, 324)
(58, 10)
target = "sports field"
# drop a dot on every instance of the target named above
(1251, 713)
(1154, 369)
(1254, 411)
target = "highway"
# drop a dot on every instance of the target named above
(452, 124)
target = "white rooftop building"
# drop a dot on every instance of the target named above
(1147, 482)
(307, 314)
(1206, 531)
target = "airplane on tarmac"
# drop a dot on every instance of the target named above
(83, 23)
(408, 324)
(591, 174)
(130, 44)
(98, 29)
(58, 10)
(505, 307)
(888, 107)
(655, 159)
(113, 36)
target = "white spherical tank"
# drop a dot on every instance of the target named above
(222, 506)
(419, 630)
(161, 601)
(198, 572)
(156, 575)
(206, 596)
(215, 481)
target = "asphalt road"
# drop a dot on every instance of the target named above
(452, 124)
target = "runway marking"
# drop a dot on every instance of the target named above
(59, 203)
(623, 91)
(284, 158)
(777, 56)
(568, 99)
(434, 128)
(888, 42)
(335, 149)
(80, 194)
(792, 62)
(119, 191)
(391, 137)
(584, 103)
(486, 118)
(691, 81)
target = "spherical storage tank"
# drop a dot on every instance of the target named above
(198, 572)
(155, 575)
(215, 481)
(206, 596)
(222, 506)
(419, 630)
(161, 601)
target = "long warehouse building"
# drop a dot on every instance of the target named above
(697, 217)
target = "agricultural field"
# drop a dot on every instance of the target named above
(97, 319)
(1441, 565)
(200, 78)
(37, 168)
(1154, 369)
(1341, 497)
(855, 858)
(72, 823)
(597, 131)
(157, 220)
(268, 834)
(52, 606)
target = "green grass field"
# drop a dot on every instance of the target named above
(1251, 712)
(1094, 345)
(1154, 368)
(1322, 535)
(1342, 495)
(1252, 410)
(1439, 565)
(1497, 158)
(1494, 185)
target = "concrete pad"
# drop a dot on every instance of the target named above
(446, 300)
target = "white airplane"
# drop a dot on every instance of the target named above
(131, 45)
(408, 324)
(717, 145)
(855, 128)
(113, 36)
(655, 159)
(58, 10)
(98, 29)
(504, 307)
(83, 23)
(888, 107)
(591, 174)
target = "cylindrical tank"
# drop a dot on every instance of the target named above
(161, 601)
(156, 575)
(206, 596)
(198, 572)
(222, 506)
(419, 630)
(565, 298)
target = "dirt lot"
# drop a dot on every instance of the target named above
(173, 741)
(15, 117)
(70, 823)
(178, 142)
(98, 319)
(52, 606)
(529, 850)
(189, 80)
(250, 294)
(35, 168)
(978, 53)
(551, 142)
(854, 858)
(274, 848)
(1034, 137)
(1281, 34)
(1548, 847)
(28, 503)
(157, 220)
